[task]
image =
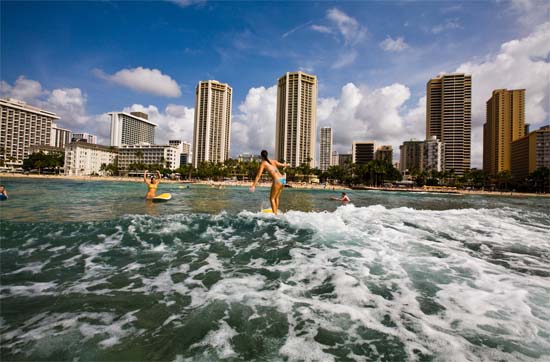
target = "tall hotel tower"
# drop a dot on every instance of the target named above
(325, 153)
(131, 128)
(449, 118)
(505, 124)
(211, 134)
(296, 119)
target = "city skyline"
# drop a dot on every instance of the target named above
(374, 97)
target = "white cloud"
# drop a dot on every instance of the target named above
(520, 64)
(394, 45)
(253, 128)
(23, 89)
(321, 29)
(530, 13)
(348, 27)
(448, 25)
(174, 123)
(347, 57)
(144, 80)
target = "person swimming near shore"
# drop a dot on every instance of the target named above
(344, 198)
(3, 193)
(279, 180)
(152, 184)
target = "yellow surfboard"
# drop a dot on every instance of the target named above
(162, 197)
(269, 211)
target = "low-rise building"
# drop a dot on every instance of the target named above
(530, 152)
(433, 152)
(84, 159)
(165, 155)
(83, 137)
(344, 159)
(384, 153)
(249, 157)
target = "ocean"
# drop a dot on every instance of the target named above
(90, 271)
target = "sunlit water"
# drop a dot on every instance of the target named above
(90, 271)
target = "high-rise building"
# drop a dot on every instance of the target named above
(296, 119)
(22, 126)
(362, 152)
(530, 152)
(334, 159)
(131, 128)
(83, 159)
(410, 158)
(432, 155)
(384, 153)
(325, 153)
(211, 134)
(449, 118)
(84, 137)
(59, 137)
(505, 124)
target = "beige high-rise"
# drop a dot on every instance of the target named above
(325, 148)
(449, 118)
(212, 130)
(505, 124)
(296, 119)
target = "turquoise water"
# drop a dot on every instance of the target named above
(90, 271)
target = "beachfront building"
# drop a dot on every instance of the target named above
(84, 159)
(334, 158)
(249, 157)
(325, 146)
(344, 159)
(410, 158)
(59, 137)
(184, 151)
(131, 128)
(384, 153)
(296, 119)
(212, 131)
(449, 118)
(144, 153)
(432, 158)
(22, 126)
(505, 123)
(530, 152)
(83, 137)
(362, 152)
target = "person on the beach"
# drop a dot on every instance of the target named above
(3, 193)
(344, 198)
(278, 179)
(152, 184)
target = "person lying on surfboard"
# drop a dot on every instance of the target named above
(278, 179)
(344, 198)
(152, 184)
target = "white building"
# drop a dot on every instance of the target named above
(83, 159)
(83, 137)
(433, 155)
(131, 128)
(22, 126)
(166, 155)
(325, 146)
(212, 131)
(59, 137)
(184, 151)
(334, 159)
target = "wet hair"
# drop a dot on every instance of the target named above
(152, 178)
(343, 193)
(2, 186)
(264, 156)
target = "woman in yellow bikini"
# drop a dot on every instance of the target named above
(152, 185)
(278, 179)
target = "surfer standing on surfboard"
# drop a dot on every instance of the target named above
(152, 184)
(278, 179)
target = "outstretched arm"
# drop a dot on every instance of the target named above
(145, 177)
(282, 164)
(260, 171)
(158, 175)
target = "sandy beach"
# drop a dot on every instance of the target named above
(297, 185)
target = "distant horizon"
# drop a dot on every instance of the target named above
(372, 60)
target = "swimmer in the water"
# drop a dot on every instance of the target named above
(152, 185)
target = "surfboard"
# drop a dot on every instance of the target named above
(268, 211)
(162, 197)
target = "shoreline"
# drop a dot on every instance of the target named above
(294, 185)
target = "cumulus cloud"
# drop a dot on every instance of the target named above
(253, 128)
(530, 13)
(174, 123)
(23, 89)
(144, 80)
(520, 64)
(394, 45)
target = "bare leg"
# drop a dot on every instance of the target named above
(279, 191)
(273, 197)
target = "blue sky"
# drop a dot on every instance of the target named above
(82, 45)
